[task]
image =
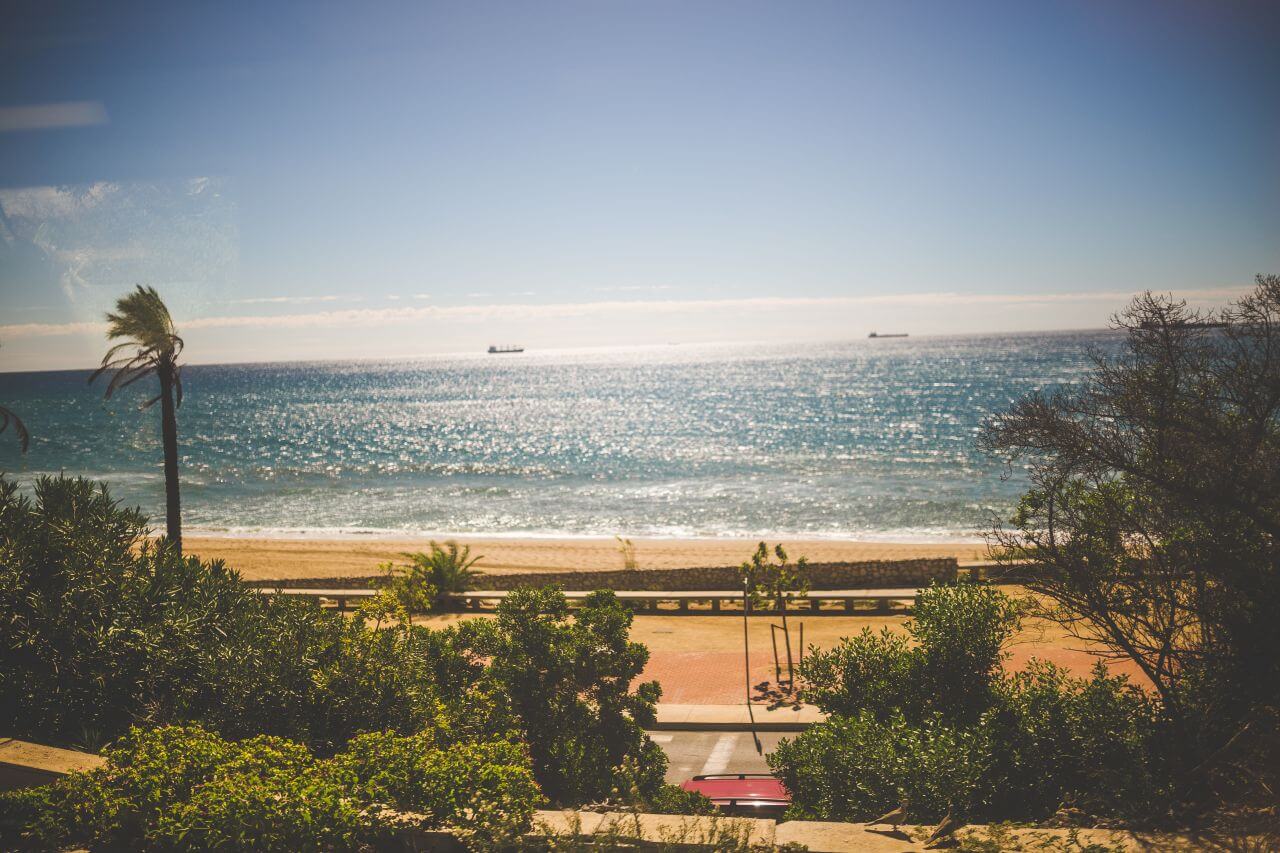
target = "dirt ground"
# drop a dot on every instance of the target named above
(699, 659)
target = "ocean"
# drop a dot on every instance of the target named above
(869, 439)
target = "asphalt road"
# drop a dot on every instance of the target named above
(697, 753)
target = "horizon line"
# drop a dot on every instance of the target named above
(590, 347)
(533, 310)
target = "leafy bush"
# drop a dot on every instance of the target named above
(102, 629)
(270, 794)
(569, 680)
(485, 790)
(99, 626)
(939, 723)
(672, 799)
(419, 584)
(853, 768)
(961, 631)
(958, 633)
(1096, 742)
(868, 672)
(314, 676)
(185, 788)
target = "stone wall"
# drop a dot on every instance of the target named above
(864, 575)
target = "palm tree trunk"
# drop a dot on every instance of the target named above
(169, 430)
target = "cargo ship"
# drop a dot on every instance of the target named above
(498, 348)
(894, 335)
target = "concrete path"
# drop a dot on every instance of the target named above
(736, 718)
(696, 753)
(704, 833)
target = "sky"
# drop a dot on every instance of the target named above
(313, 181)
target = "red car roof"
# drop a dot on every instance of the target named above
(739, 786)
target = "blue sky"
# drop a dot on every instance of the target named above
(309, 181)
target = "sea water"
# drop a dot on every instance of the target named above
(871, 439)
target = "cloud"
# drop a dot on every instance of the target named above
(49, 202)
(633, 288)
(52, 116)
(380, 317)
(422, 296)
(283, 300)
(108, 234)
(39, 330)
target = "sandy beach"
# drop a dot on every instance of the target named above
(276, 559)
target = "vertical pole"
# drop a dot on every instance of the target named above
(801, 664)
(777, 665)
(786, 637)
(746, 662)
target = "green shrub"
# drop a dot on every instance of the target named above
(569, 680)
(99, 626)
(100, 629)
(270, 794)
(184, 788)
(853, 768)
(486, 790)
(1095, 742)
(958, 633)
(903, 715)
(867, 672)
(418, 584)
(961, 630)
(672, 799)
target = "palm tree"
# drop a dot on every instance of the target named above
(150, 346)
(19, 428)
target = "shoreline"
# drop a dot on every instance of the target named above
(380, 534)
(260, 557)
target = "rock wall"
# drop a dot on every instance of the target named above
(867, 575)
(864, 575)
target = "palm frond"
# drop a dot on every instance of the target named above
(111, 353)
(125, 378)
(19, 428)
(131, 363)
(148, 342)
(142, 317)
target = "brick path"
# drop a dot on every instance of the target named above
(715, 678)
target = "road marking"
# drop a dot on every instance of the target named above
(718, 760)
(661, 738)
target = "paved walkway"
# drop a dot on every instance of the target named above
(692, 753)
(736, 717)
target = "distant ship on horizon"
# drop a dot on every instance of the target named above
(894, 335)
(496, 348)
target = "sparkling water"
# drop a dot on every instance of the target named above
(864, 439)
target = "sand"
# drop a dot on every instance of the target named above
(279, 559)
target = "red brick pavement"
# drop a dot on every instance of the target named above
(715, 678)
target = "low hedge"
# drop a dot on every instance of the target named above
(182, 787)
